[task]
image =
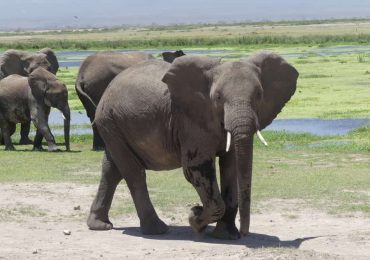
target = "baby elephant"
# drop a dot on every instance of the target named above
(23, 99)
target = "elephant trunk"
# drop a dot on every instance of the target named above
(242, 123)
(67, 119)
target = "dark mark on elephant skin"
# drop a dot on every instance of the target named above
(191, 155)
(206, 170)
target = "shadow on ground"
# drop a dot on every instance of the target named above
(253, 240)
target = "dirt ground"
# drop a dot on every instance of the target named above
(33, 217)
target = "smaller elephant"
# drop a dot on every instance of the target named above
(23, 63)
(24, 99)
(170, 56)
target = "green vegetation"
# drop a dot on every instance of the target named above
(335, 86)
(237, 41)
(240, 35)
(326, 172)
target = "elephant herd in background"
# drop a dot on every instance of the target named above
(21, 101)
(159, 115)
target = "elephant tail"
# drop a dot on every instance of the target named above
(86, 100)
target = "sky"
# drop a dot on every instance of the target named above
(39, 14)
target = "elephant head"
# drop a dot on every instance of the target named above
(51, 92)
(52, 59)
(22, 63)
(239, 98)
(171, 56)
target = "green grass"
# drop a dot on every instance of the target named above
(184, 42)
(333, 177)
(334, 87)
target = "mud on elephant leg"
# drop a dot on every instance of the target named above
(203, 177)
(98, 218)
(25, 130)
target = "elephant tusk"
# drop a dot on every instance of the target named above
(261, 137)
(63, 117)
(228, 141)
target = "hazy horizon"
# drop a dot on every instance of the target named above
(58, 14)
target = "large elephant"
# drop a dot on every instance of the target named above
(23, 63)
(24, 99)
(160, 116)
(170, 56)
(94, 76)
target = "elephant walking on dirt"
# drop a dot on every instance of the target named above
(24, 99)
(161, 116)
(23, 63)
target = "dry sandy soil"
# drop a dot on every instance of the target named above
(34, 215)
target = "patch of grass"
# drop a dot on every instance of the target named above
(15, 212)
(318, 175)
(80, 165)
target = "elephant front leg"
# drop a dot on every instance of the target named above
(226, 228)
(39, 118)
(203, 177)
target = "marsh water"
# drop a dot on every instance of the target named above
(323, 127)
(74, 58)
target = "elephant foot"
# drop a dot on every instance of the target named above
(53, 148)
(38, 148)
(226, 231)
(98, 148)
(25, 141)
(154, 226)
(94, 223)
(9, 148)
(195, 222)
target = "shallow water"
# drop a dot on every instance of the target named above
(321, 127)
(74, 58)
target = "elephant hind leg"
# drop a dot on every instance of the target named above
(134, 174)
(25, 131)
(7, 129)
(98, 218)
(98, 143)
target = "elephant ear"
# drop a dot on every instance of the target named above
(52, 58)
(38, 82)
(189, 83)
(11, 63)
(278, 80)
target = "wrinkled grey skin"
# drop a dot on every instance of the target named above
(170, 56)
(94, 76)
(23, 99)
(161, 116)
(23, 63)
